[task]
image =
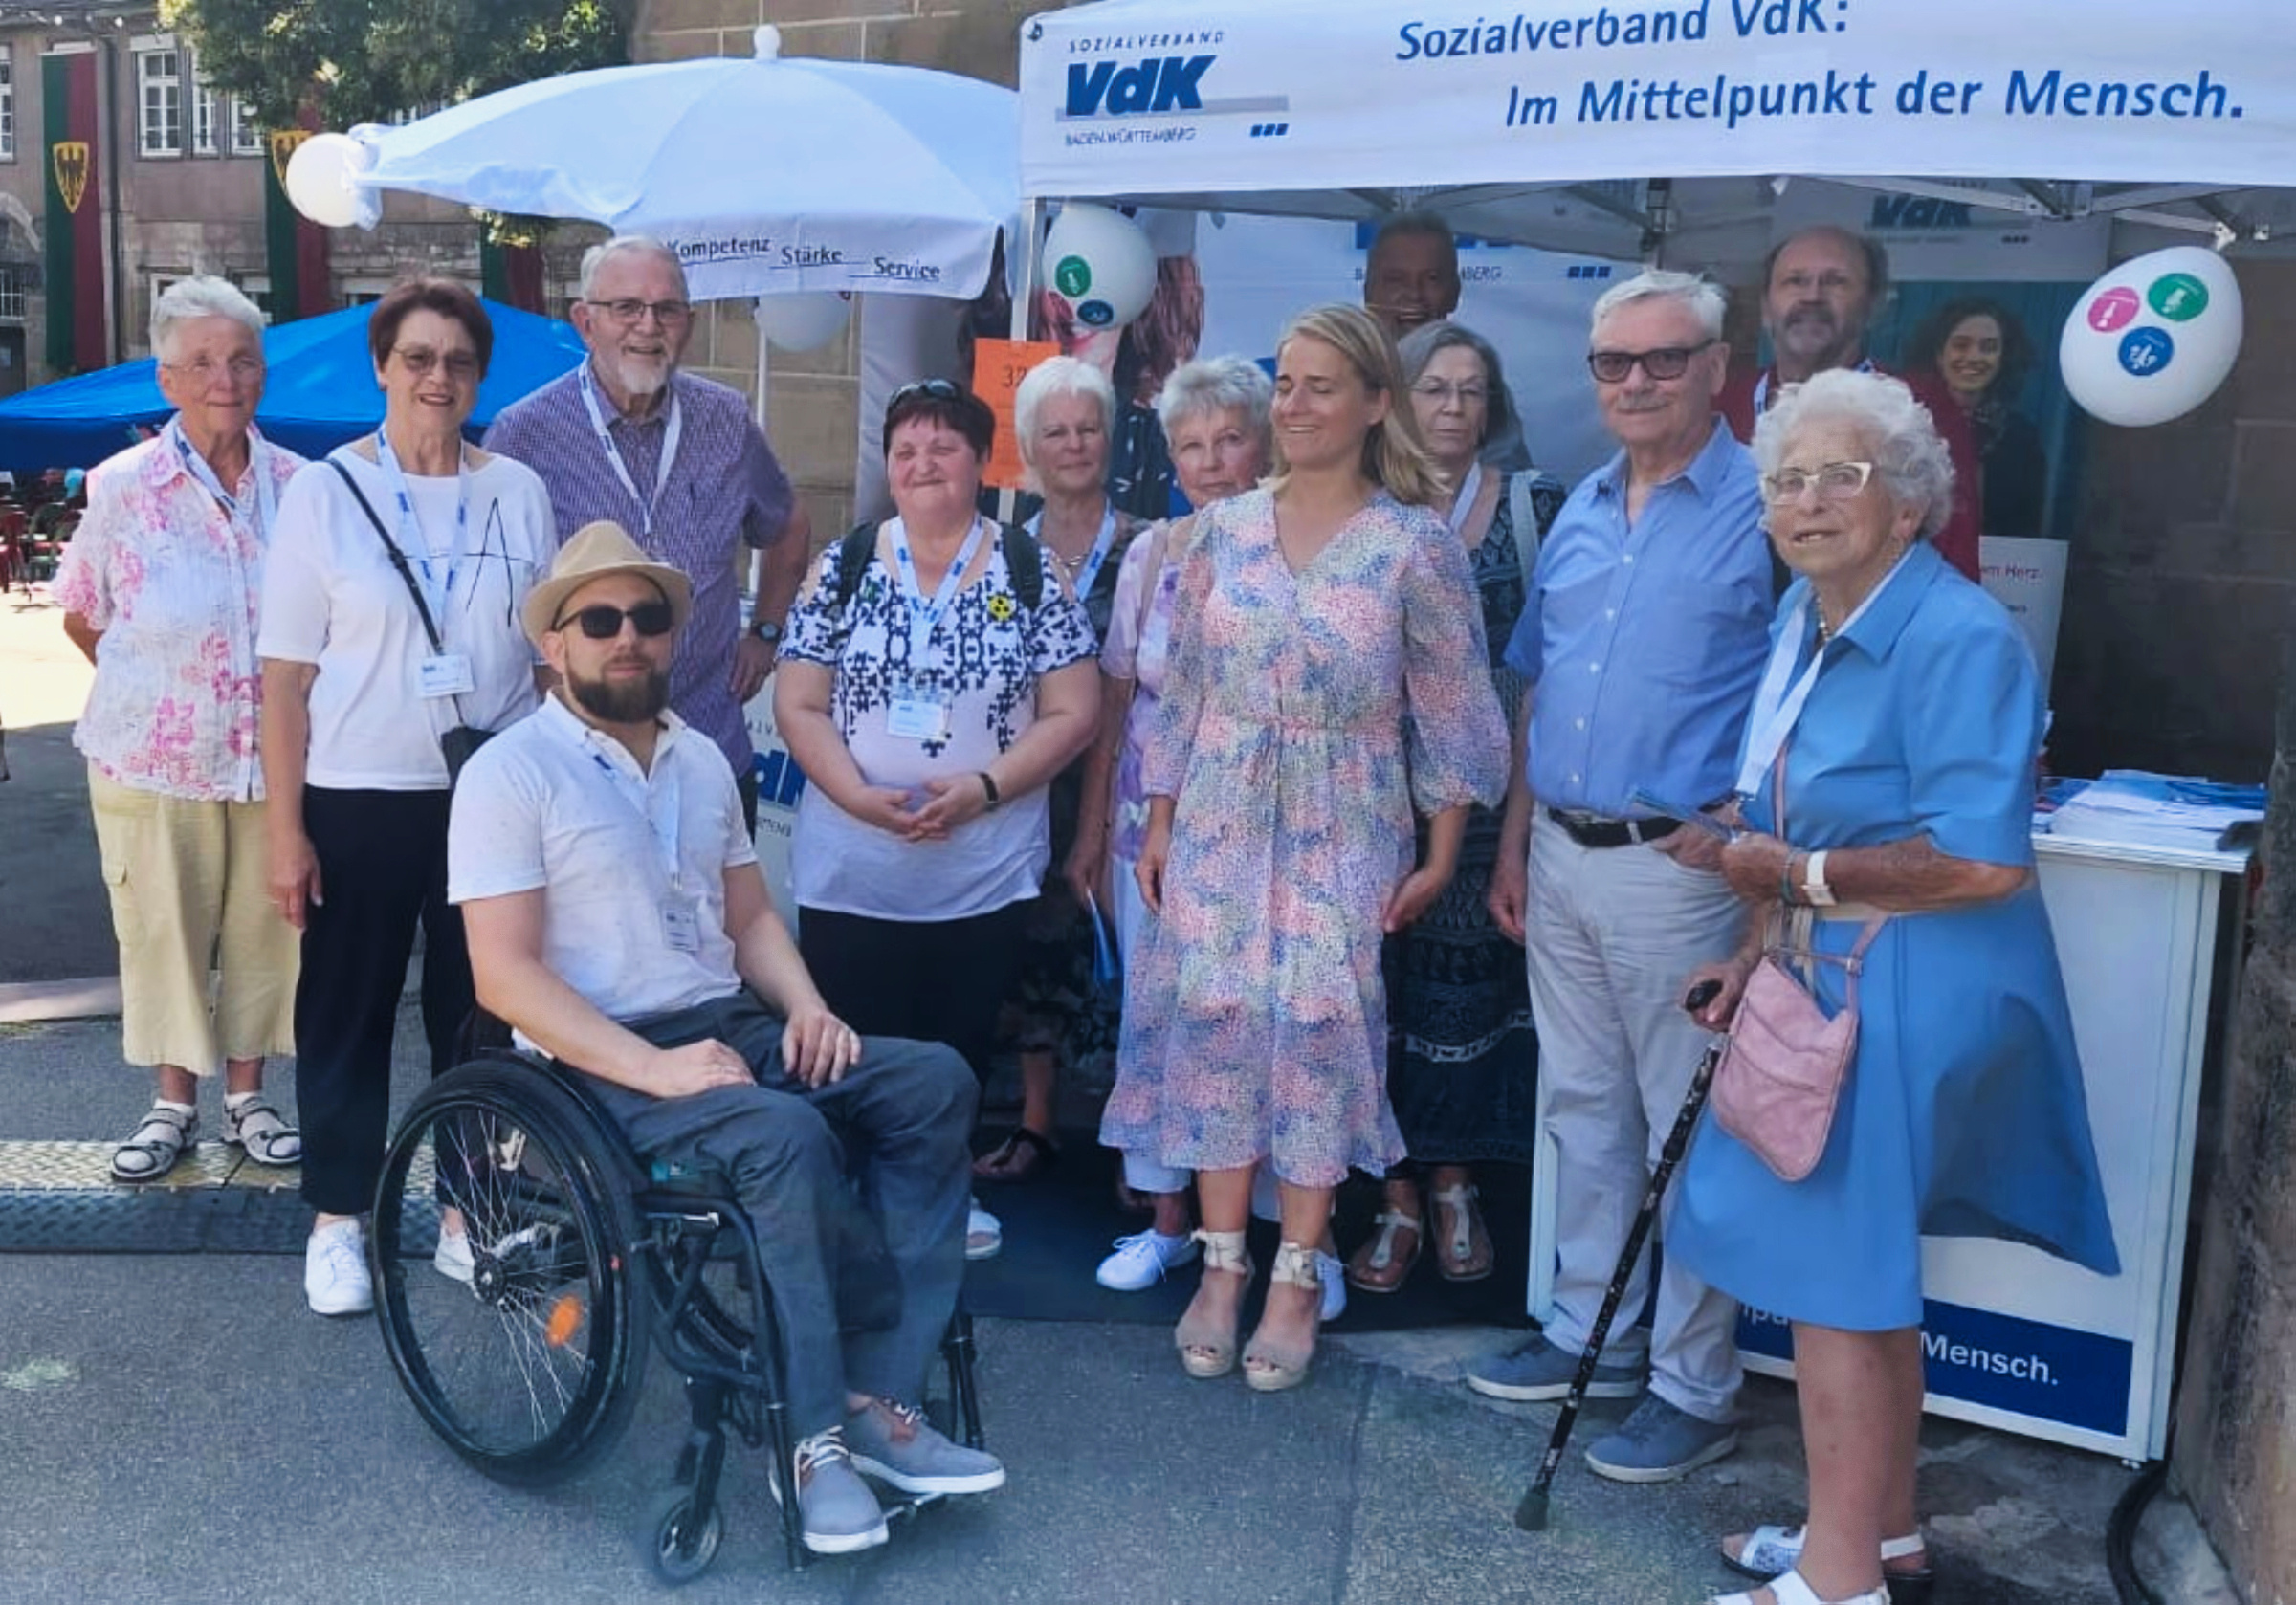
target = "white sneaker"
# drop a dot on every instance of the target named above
(334, 1277)
(453, 1259)
(1142, 1259)
(1334, 1284)
(984, 1233)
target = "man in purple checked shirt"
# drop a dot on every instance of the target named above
(677, 461)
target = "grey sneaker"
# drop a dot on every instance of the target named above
(894, 1443)
(1659, 1443)
(1534, 1369)
(835, 1510)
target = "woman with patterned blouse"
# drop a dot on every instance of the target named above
(936, 676)
(160, 587)
(1328, 681)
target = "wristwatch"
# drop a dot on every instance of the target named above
(766, 630)
(1814, 889)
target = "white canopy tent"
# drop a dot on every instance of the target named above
(1658, 129)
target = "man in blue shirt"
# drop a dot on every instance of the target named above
(1642, 639)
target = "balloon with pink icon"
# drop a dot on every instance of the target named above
(2154, 338)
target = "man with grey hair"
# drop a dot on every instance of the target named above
(1411, 280)
(676, 459)
(1644, 632)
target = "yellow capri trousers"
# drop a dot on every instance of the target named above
(186, 881)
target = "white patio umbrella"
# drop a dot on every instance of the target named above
(765, 175)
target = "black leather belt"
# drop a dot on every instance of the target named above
(1593, 831)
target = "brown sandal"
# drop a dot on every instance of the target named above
(1023, 1155)
(1206, 1351)
(1462, 1254)
(1377, 1267)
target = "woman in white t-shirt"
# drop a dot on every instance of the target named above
(937, 674)
(390, 620)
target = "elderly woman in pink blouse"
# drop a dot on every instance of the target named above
(159, 588)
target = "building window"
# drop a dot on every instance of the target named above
(160, 93)
(247, 133)
(256, 288)
(7, 102)
(12, 293)
(206, 111)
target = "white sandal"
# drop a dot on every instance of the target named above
(1788, 1589)
(1770, 1549)
(1455, 1256)
(152, 1149)
(1376, 1273)
(257, 1128)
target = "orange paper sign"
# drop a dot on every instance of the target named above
(999, 366)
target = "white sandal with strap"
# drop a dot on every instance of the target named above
(257, 1128)
(1459, 1249)
(1788, 1589)
(152, 1149)
(1770, 1549)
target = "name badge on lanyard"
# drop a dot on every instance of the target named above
(673, 425)
(921, 706)
(204, 474)
(1096, 560)
(439, 578)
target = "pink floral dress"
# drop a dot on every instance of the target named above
(1305, 718)
(173, 583)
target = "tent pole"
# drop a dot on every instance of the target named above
(765, 368)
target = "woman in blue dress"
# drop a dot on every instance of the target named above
(1906, 712)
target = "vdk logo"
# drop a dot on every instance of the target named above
(1152, 86)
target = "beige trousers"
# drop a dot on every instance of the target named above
(186, 882)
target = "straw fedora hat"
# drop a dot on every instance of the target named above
(599, 549)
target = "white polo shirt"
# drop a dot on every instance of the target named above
(632, 864)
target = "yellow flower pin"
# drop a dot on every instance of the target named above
(1000, 607)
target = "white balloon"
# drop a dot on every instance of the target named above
(1102, 263)
(2154, 338)
(318, 179)
(807, 318)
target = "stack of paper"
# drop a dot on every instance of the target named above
(2131, 805)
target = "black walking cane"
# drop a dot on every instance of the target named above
(1531, 1515)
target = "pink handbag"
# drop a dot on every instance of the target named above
(1784, 1066)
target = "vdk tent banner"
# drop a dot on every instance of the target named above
(1179, 96)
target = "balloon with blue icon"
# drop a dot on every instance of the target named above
(1102, 263)
(2154, 338)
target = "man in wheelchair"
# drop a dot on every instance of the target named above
(618, 922)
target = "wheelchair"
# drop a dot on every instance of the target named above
(581, 1257)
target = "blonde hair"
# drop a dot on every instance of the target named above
(1393, 457)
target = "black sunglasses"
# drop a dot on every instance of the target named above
(1667, 361)
(936, 389)
(603, 621)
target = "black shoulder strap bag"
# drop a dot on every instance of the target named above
(457, 744)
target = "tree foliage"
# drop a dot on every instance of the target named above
(364, 60)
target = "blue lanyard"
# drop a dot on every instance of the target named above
(1102, 544)
(673, 425)
(1777, 701)
(656, 801)
(204, 474)
(924, 615)
(440, 590)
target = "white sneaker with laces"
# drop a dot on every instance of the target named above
(453, 1259)
(334, 1277)
(1141, 1260)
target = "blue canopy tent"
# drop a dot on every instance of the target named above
(320, 391)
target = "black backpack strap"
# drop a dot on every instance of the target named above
(398, 558)
(853, 555)
(1024, 561)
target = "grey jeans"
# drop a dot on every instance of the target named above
(827, 1174)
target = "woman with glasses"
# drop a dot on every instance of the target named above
(1328, 681)
(1062, 414)
(159, 589)
(936, 675)
(391, 639)
(1461, 1063)
(1886, 790)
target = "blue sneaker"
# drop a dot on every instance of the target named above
(1535, 1370)
(1660, 1443)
